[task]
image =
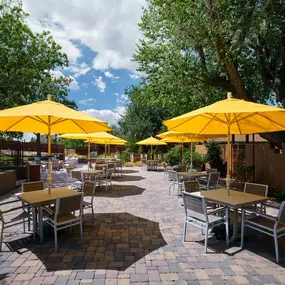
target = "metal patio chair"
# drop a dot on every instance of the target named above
(196, 214)
(63, 215)
(269, 225)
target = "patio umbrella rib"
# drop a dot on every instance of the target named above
(7, 130)
(213, 118)
(237, 123)
(270, 120)
(38, 119)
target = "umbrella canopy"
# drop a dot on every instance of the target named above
(230, 116)
(48, 117)
(103, 137)
(151, 141)
(180, 137)
(112, 142)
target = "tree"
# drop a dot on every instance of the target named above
(140, 122)
(194, 51)
(28, 61)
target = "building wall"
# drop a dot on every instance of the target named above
(269, 164)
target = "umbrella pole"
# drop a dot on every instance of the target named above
(151, 152)
(88, 154)
(49, 179)
(105, 152)
(182, 153)
(228, 178)
(191, 151)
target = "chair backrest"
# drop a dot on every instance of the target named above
(76, 174)
(213, 180)
(32, 186)
(99, 167)
(257, 189)
(191, 186)
(194, 205)
(110, 172)
(68, 204)
(37, 160)
(87, 177)
(209, 170)
(89, 188)
(281, 213)
(172, 175)
(68, 170)
(111, 165)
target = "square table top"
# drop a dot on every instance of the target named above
(41, 197)
(236, 199)
(192, 174)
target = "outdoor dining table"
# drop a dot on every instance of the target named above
(192, 174)
(92, 171)
(39, 198)
(235, 200)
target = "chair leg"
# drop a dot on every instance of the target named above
(184, 231)
(55, 239)
(92, 210)
(81, 229)
(227, 227)
(242, 228)
(1, 236)
(29, 219)
(206, 239)
(276, 247)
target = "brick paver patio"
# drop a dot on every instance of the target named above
(136, 239)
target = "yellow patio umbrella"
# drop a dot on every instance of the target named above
(48, 117)
(100, 136)
(151, 141)
(230, 116)
(180, 137)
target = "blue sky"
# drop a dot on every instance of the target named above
(99, 38)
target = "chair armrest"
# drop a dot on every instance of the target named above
(217, 210)
(48, 210)
(260, 214)
(13, 209)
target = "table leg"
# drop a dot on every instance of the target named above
(34, 213)
(41, 225)
(235, 226)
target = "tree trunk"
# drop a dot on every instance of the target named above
(38, 141)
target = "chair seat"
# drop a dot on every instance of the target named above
(63, 218)
(263, 222)
(211, 218)
(87, 204)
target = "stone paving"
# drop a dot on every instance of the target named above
(136, 239)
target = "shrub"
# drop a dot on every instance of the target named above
(213, 156)
(173, 157)
(128, 164)
(124, 156)
(243, 173)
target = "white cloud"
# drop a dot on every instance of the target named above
(87, 102)
(108, 74)
(121, 99)
(79, 69)
(28, 136)
(73, 85)
(110, 116)
(108, 28)
(134, 76)
(98, 81)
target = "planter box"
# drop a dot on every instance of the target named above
(7, 181)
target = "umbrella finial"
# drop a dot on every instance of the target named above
(230, 95)
(49, 97)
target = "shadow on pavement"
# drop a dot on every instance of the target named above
(115, 241)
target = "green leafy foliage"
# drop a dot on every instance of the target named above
(173, 157)
(243, 173)
(27, 60)
(213, 156)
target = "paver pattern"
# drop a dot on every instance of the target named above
(136, 239)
